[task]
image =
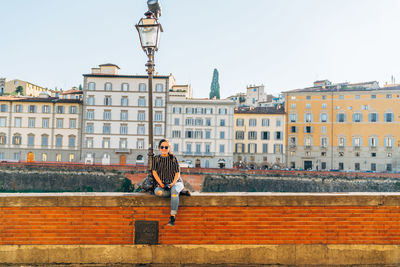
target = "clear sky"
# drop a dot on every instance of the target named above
(283, 44)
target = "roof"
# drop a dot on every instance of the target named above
(71, 92)
(124, 76)
(339, 87)
(39, 99)
(259, 110)
(109, 65)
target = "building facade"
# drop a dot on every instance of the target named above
(200, 130)
(343, 126)
(40, 129)
(259, 137)
(29, 89)
(115, 118)
(3, 82)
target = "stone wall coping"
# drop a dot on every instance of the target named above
(109, 199)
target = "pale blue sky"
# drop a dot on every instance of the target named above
(284, 44)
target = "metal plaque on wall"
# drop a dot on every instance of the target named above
(146, 232)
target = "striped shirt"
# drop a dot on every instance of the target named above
(166, 168)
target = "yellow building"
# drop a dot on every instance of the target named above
(29, 89)
(259, 137)
(343, 126)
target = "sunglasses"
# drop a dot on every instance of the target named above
(164, 147)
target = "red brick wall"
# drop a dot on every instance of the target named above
(203, 225)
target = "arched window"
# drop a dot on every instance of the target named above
(108, 86)
(3, 139)
(124, 87)
(159, 87)
(139, 157)
(142, 87)
(17, 139)
(91, 86)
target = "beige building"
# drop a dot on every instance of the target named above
(29, 89)
(40, 129)
(200, 131)
(2, 85)
(259, 137)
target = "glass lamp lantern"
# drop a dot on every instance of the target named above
(149, 31)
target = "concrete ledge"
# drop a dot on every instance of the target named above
(198, 199)
(310, 255)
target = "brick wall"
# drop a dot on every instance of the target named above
(93, 219)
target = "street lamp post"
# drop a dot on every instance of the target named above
(149, 30)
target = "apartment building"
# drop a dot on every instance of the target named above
(343, 126)
(115, 118)
(40, 128)
(259, 137)
(200, 130)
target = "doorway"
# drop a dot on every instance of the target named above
(31, 157)
(122, 160)
(307, 165)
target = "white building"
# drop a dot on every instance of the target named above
(116, 115)
(200, 130)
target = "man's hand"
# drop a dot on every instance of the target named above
(168, 186)
(162, 185)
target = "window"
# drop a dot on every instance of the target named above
(308, 97)
(208, 122)
(342, 142)
(239, 135)
(18, 108)
(107, 101)
(17, 139)
(324, 97)
(176, 121)
(199, 122)
(71, 141)
(176, 110)
(388, 96)
(324, 141)
(141, 116)
(124, 101)
(373, 117)
(252, 135)
(357, 166)
(142, 87)
(222, 111)
(222, 148)
(365, 107)
(159, 102)
(141, 129)
(373, 96)
(308, 141)
(123, 143)
(59, 141)
(323, 129)
(3, 139)
(141, 102)
(189, 110)
(60, 110)
(158, 116)
(341, 117)
(373, 166)
(341, 166)
(176, 134)
(159, 87)
(253, 122)
(208, 134)
(18, 122)
(208, 149)
(357, 96)
(222, 135)
(323, 117)
(265, 148)
(189, 148)
(90, 114)
(209, 111)
(189, 134)
(198, 148)
(124, 115)
(293, 129)
(106, 128)
(278, 122)
(45, 140)
(239, 122)
(278, 148)
(389, 167)
(32, 109)
(293, 117)
(125, 87)
(89, 128)
(198, 134)
(357, 117)
(357, 142)
(4, 108)
(222, 123)
(107, 115)
(90, 100)
(89, 142)
(91, 86)
(341, 96)
(308, 117)
(308, 129)
(107, 86)
(278, 135)
(123, 129)
(293, 105)
(373, 154)
(60, 123)
(189, 121)
(264, 135)
(388, 117)
(324, 106)
(176, 148)
(373, 142)
(388, 142)
(31, 140)
(265, 122)
(3, 122)
(72, 123)
(73, 109)
(308, 106)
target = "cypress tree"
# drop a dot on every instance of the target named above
(215, 85)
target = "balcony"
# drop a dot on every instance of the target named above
(307, 147)
(356, 148)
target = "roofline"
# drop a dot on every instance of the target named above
(124, 76)
(50, 99)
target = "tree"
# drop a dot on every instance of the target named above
(19, 90)
(215, 85)
(80, 87)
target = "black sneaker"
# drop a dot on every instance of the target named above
(171, 221)
(186, 192)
